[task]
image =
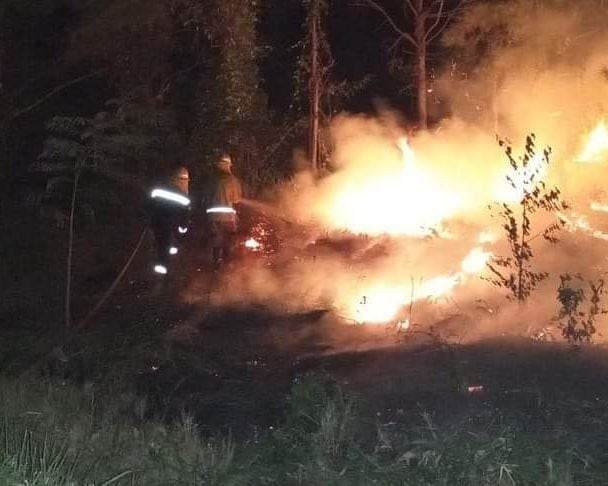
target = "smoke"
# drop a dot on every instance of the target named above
(529, 66)
(525, 67)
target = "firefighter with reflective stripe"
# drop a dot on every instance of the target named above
(220, 204)
(169, 216)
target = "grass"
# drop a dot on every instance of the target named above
(53, 433)
(62, 435)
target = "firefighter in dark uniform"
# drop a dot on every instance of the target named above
(219, 202)
(169, 216)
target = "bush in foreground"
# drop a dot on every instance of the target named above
(59, 435)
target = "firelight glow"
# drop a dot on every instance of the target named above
(476, 261)
(403, 201)
(596, 145)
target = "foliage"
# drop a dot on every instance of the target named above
(232, 105)
(579, 325)
(60, 435)
(113, 151)
(515, 272)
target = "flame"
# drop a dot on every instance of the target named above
(487, 237)
(379, 304)
(382, 303)
(440, 286)
(475, 261)
(596, 145)
(577, 222)
(402, 201)
(598, 206)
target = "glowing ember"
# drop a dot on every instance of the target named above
(475, 261)
(252, 244)
(597, 144)
(400, 201)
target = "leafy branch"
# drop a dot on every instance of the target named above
(515, 272)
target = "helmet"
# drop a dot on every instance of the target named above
(224, 162)
(180, 178)
(181, 173)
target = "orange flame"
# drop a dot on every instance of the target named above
(405, 201)
(596, 145)
(382, 303)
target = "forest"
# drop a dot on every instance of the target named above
(415, 290)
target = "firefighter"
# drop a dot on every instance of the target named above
(220, 201)
(169, 216)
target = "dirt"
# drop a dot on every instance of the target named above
(232, 367)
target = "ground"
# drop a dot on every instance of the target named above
(233, 368)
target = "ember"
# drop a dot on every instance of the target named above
(252, 244)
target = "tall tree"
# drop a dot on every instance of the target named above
(315, 86)
(416, 25)
(232, 101)
(314, 32)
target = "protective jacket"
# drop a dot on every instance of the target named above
(226, 193)
(169, 210)
(222, 195)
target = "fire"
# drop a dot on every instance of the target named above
(402, 201)
(382, 303)
(379, 304)
(476, 261)
(487, 237)
(577, 222)
(597, 144)
(439, 286)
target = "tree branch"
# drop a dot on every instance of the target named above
(430, 30)
(52, 93)
(375, 6)
(448, 18)
(408, 3)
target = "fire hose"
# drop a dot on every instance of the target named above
(95, 309)
(115, 283)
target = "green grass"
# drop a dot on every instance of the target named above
(61, 435)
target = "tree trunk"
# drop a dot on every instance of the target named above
(315, 88)
(6, 162)
(419, 36)
(68, 283)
